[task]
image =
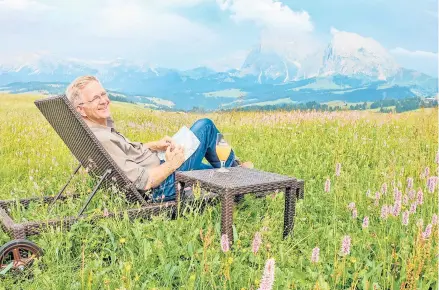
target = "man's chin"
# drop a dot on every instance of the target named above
(105, 114)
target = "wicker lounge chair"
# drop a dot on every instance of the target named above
(91, 155)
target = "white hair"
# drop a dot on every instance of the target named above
(73, 91)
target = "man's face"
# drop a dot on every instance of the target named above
(95, 103)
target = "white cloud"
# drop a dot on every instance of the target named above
(175, 3)
(283, 31)
(423, 61)
(267, 14)
(150, 31)
(231, 61)
(134, 19)
(23, 5)
(416, 53)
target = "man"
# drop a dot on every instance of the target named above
(140, 161)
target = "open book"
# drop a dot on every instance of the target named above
(185, 138)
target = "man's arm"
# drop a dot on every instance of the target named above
(160, 145)
(151, 145)
(174, 159)
(144, 178)
(158, 174)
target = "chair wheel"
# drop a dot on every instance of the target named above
(21, 253)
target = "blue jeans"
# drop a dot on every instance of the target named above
(206, 132)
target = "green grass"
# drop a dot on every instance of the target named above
(372, 149)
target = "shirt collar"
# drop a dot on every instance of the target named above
(110, 124)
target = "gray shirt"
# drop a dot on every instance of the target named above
(134, 158)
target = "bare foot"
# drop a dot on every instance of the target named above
(247, 164)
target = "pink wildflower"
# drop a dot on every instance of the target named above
(105, 213)
(427, 172)
(384, 188)
(413, 208)
(327, 185)
(366, 222)
(257, 240)
(396, 208)
(377, 198)
(315, 255)
(268, 277)
(354, 213)
(398, 195)
(351, 206)
(427, 233)
(420, 197)
(225, 243)
(409, 182)
(434, 219)
(384, 212)
(412, 194)
(346, 246)
(337, 169)
(431, 183)
(405, 218)
(405, 199)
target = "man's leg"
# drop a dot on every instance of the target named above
(206, 132)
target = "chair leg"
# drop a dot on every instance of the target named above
(94, 191)
(64, 187)
(290, 211)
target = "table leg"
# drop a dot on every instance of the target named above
(179, 190)
(227, 202)
(290, 211)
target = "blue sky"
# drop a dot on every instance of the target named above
(219, 33)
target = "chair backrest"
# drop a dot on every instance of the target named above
(83, 144)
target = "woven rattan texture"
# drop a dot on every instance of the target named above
(238, 178)
(239, 181)
(83, 144)
(23, 230)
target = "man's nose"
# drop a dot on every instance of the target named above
(104, 100)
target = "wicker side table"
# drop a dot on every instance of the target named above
(237, 182)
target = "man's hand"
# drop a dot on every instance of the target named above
(174, 159)
(175, 156)
(165, 143)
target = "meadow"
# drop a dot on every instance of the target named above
(368, 219)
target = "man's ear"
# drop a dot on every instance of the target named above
(81, 111)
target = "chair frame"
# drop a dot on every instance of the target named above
(102, 169)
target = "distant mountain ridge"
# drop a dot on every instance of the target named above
(350, 68)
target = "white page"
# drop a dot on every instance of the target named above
(187, 139)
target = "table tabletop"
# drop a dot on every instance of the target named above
(236, 178)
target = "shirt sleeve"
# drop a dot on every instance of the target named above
(135, 173)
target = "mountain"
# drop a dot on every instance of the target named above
(352, 55)
(269, 67)
(350, 68)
